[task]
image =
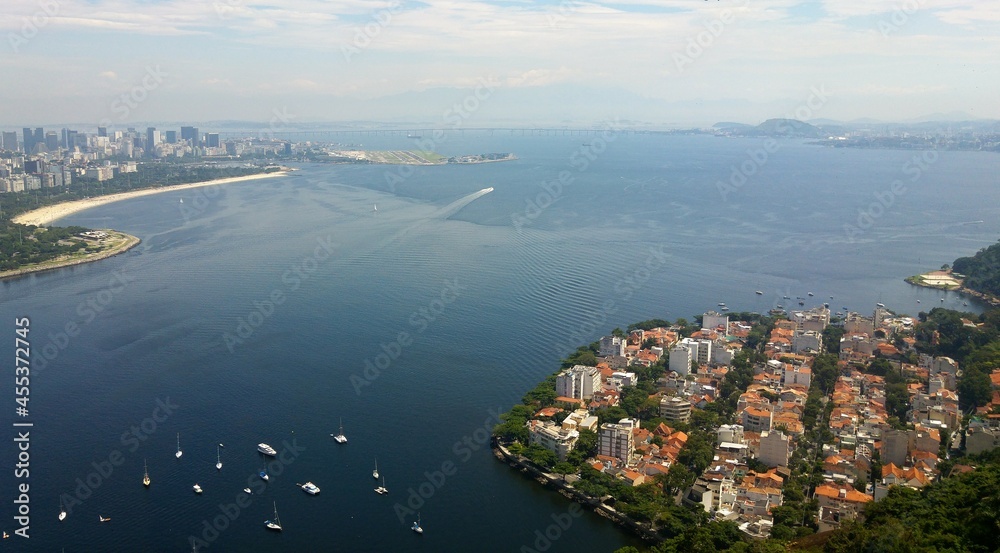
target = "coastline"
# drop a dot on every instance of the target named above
(46, 215)
(943, 280)
(127, 243)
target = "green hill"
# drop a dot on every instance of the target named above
(982, 270)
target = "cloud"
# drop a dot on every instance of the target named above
(110, 75)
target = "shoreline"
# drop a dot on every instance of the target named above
(942, 280)
(128, 242)
(50, 213)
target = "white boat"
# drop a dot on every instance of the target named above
(340, 438)
(263, 475)
(62, 511)
(759, 293)
(266, 449)
(197, 488)
(179, 452)
(248, 490)
(375, 472)
(309, 488)
(218, 458)
(879, 305)
(274, 524)
(382, 490)
(416, 526)
(103, 519)
(145, 474)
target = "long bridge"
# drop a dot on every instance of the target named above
(427, 132)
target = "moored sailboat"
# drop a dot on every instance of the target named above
(274, 524)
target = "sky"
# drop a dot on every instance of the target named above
(654, 63)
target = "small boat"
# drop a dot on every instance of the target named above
(340, 438)
(197, 488)
(266, 449)
(274, 524)
(918, 301)
(810, 294)
(103, 519)
(376, 208)
(145, 474)
(309, 488)
(62, 511)
(879, 305)
(722, 304)
(218, 458)
(802, 303)
(382, 490)
(248, 490)
(785, 298)
(942, 300)
(759, 293)
(263, 475)
(416, 526)
(724, 309)
(179, 452)
(182, 200)
(6, 535)
(375, 472)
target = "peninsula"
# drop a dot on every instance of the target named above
(815, 431)
(977, 276)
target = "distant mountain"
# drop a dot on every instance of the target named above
(778, 128)
(729, 126)
(951, 116)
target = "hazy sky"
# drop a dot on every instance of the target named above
(662, 62)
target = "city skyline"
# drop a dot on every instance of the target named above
(671, 63)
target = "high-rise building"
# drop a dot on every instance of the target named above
(8, 141)
(152, 139)
(212, 140)
(71, 139)
(616, 440)
(170, 137)
(102, 131)
(28, 139)
(39, 138)
(191, 134)
(51, 141)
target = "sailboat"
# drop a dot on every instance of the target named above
(218, 458)
(375, 472)
(62, 511)
(179, 452)
(145, 474)
(382, 490)
(103, 519)
(416, 526)
(376, 208)
(276, 523)
(340, 438)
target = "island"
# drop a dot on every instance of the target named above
(807, 431)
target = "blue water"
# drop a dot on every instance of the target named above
(490, 292)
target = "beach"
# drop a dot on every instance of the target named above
(45, 215)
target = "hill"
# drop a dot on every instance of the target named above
(982, 270)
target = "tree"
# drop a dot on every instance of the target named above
(564, 468)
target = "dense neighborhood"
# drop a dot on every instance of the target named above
(785, 425)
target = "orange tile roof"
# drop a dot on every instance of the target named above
(851, 495)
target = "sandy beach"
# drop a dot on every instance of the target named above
(45, 215)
